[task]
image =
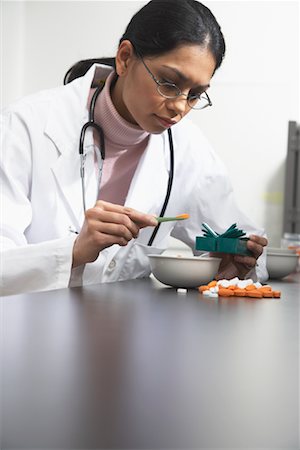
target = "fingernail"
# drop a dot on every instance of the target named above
(153, 221)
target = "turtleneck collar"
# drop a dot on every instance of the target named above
(117, 130)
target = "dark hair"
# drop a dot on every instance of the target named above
(162, 25)
(81, 67)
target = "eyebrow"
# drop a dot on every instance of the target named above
(183, 77)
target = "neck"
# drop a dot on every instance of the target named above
(118, 102)
(117, 130)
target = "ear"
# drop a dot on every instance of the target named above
(124, 56)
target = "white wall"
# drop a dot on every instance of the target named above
(12, 50)
(254, 94)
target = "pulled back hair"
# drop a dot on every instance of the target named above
(162, 25)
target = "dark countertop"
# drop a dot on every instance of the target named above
(134, 365)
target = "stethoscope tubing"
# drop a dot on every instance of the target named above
(169, 187)
(91, 124)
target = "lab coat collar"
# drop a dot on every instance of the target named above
(68, 109)
(67, 116)
(68, 113)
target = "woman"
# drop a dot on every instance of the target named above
(72, 219)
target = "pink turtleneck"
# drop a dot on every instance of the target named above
(124, 145)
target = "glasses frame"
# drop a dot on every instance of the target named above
(161, 83)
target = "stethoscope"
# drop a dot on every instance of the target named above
(91, 123)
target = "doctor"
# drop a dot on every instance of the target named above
(71, 217)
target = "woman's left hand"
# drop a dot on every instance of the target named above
(238, 265)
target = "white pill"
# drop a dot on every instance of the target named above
(214, 289)
(214, 294)
(207, 292)
(181, 291)
(224, 283)
(234, 281)
(243, 283)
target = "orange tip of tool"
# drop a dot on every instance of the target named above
(183, 216)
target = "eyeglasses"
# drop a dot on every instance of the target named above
(170, 90)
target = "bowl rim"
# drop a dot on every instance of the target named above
(185, 258)
(293, 255)
(280, 249)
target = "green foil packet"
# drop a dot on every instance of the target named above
(231, 241)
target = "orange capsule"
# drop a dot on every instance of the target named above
(265, 289)
(254, 293)
(240, 292)
(250, 287)
(267, 294)
(226, 292)
(203, 288)
(276, 294)
(232, 288)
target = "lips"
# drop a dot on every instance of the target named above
(166, 122)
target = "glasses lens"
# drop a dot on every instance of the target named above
(198, 103)
(168, 90)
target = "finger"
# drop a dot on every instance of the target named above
(261, 240)
(105, 212)
(140, 219)
(256, 245)
(248, 262)
(118, 230)
(106, 240)
(118, 219)
(113, 207)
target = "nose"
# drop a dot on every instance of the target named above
(178, 104)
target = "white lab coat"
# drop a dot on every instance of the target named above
(42, 198)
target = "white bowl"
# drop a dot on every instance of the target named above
(281, 264)
(184, 272)
(281, 250)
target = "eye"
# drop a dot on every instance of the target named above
(194, 95)
(168, 90)
(164, 80)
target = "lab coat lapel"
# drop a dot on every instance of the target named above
(149, 184)
(67, 173)
(67, 115)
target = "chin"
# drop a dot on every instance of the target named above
(153, 129)
(151, 125)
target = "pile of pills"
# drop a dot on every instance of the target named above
(238, 288)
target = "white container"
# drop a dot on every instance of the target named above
(281, 262)
(184, 272)
(291, 241)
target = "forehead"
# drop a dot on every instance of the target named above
(193, 62)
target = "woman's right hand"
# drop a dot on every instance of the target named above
(106, 224)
